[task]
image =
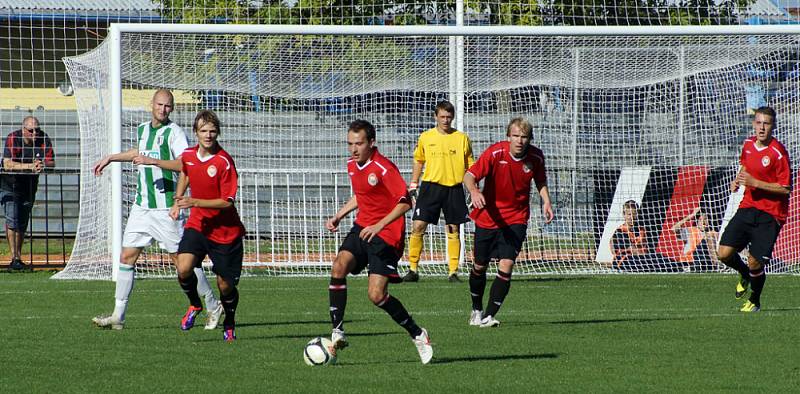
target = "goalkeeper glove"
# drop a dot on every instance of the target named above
(412, 190)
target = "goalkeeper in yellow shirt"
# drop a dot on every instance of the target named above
(445, 153)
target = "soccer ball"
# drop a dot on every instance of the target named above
(319, 351)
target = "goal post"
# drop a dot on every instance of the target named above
(654, 115)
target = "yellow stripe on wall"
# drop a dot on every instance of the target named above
(51, 99)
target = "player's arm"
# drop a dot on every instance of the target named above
(416, 172)
(332, 224)
(369, 232)
(105, 161)
(49, 159)
(180, 190)
(547, 205)
(676, 228)
(171, 165)
(744, 178)
(13, 165)
(469, 181)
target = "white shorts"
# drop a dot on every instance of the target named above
(145, 225)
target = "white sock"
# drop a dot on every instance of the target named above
(125, 278)
(205, 289)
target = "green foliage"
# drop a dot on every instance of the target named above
(616, 333)
(403, 12)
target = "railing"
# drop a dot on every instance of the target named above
(52, 223)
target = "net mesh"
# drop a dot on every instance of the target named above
(657, 120)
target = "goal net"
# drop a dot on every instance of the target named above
(652, 121)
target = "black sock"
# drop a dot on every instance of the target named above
(337, 294)
(757, 279)
(736, 263)
(395, 309)
(498, 293)
(189, 286)
(477, 285)
(229, 303)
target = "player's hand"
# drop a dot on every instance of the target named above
(369, 232)
(547, 211)
(412, 190)
(734, 186)
(478, 201)
(744, 178)
(98, 167)
(175, 212)
(144, 160)
(184, 202)
(332, 224)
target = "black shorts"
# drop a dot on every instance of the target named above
(499, 243)
(755, 227)
(434, 198)
(377, 256)
(226, 259)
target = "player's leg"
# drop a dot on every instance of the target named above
(455, 214)
(343, 264)
(508, 244)
(227, 264)
(760, 253)
(497, 294)
(484, 244)
(191, 250)
(426, 210)
(415, 244)
(733, 240)
(126, 276)
(379, 295)
(382, 261)
(168, 233)
(453, 251)
(11, 210)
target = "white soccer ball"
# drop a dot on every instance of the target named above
(319, 351)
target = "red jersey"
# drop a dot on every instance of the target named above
(379, 187)
(769, 164)
(210, 178)
(507, 186)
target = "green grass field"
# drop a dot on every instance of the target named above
(607, 333)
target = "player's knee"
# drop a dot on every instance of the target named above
(419, 227)
(478, 269)
(339, 268)
(376, 296)
(452, 228)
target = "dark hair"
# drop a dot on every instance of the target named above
(207, 116)
(630, 204)
(445, 105)
(360, 125)
(769, 111)
(522, 123)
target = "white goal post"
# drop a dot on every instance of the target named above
(653, 114)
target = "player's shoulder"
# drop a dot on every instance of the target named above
(189, 153)
(383, 162)
(535, 153)
(224, 156)
(428, 133)
(497, 149)
(778, 147)
(144, 125)
(175, 127)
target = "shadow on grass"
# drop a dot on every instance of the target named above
(625, 320)
(304, 336)
(505, 357)
(549, 279)
(290, 323)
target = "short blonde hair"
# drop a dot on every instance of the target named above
(522, 123)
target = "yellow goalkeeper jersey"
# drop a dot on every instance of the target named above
(446, 156)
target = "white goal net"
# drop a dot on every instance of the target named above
(656, 119)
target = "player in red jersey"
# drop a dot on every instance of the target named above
(765, 173)
(213, 228)
(501, 212)
(376, 239)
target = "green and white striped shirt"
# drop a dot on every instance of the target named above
(155, 187)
